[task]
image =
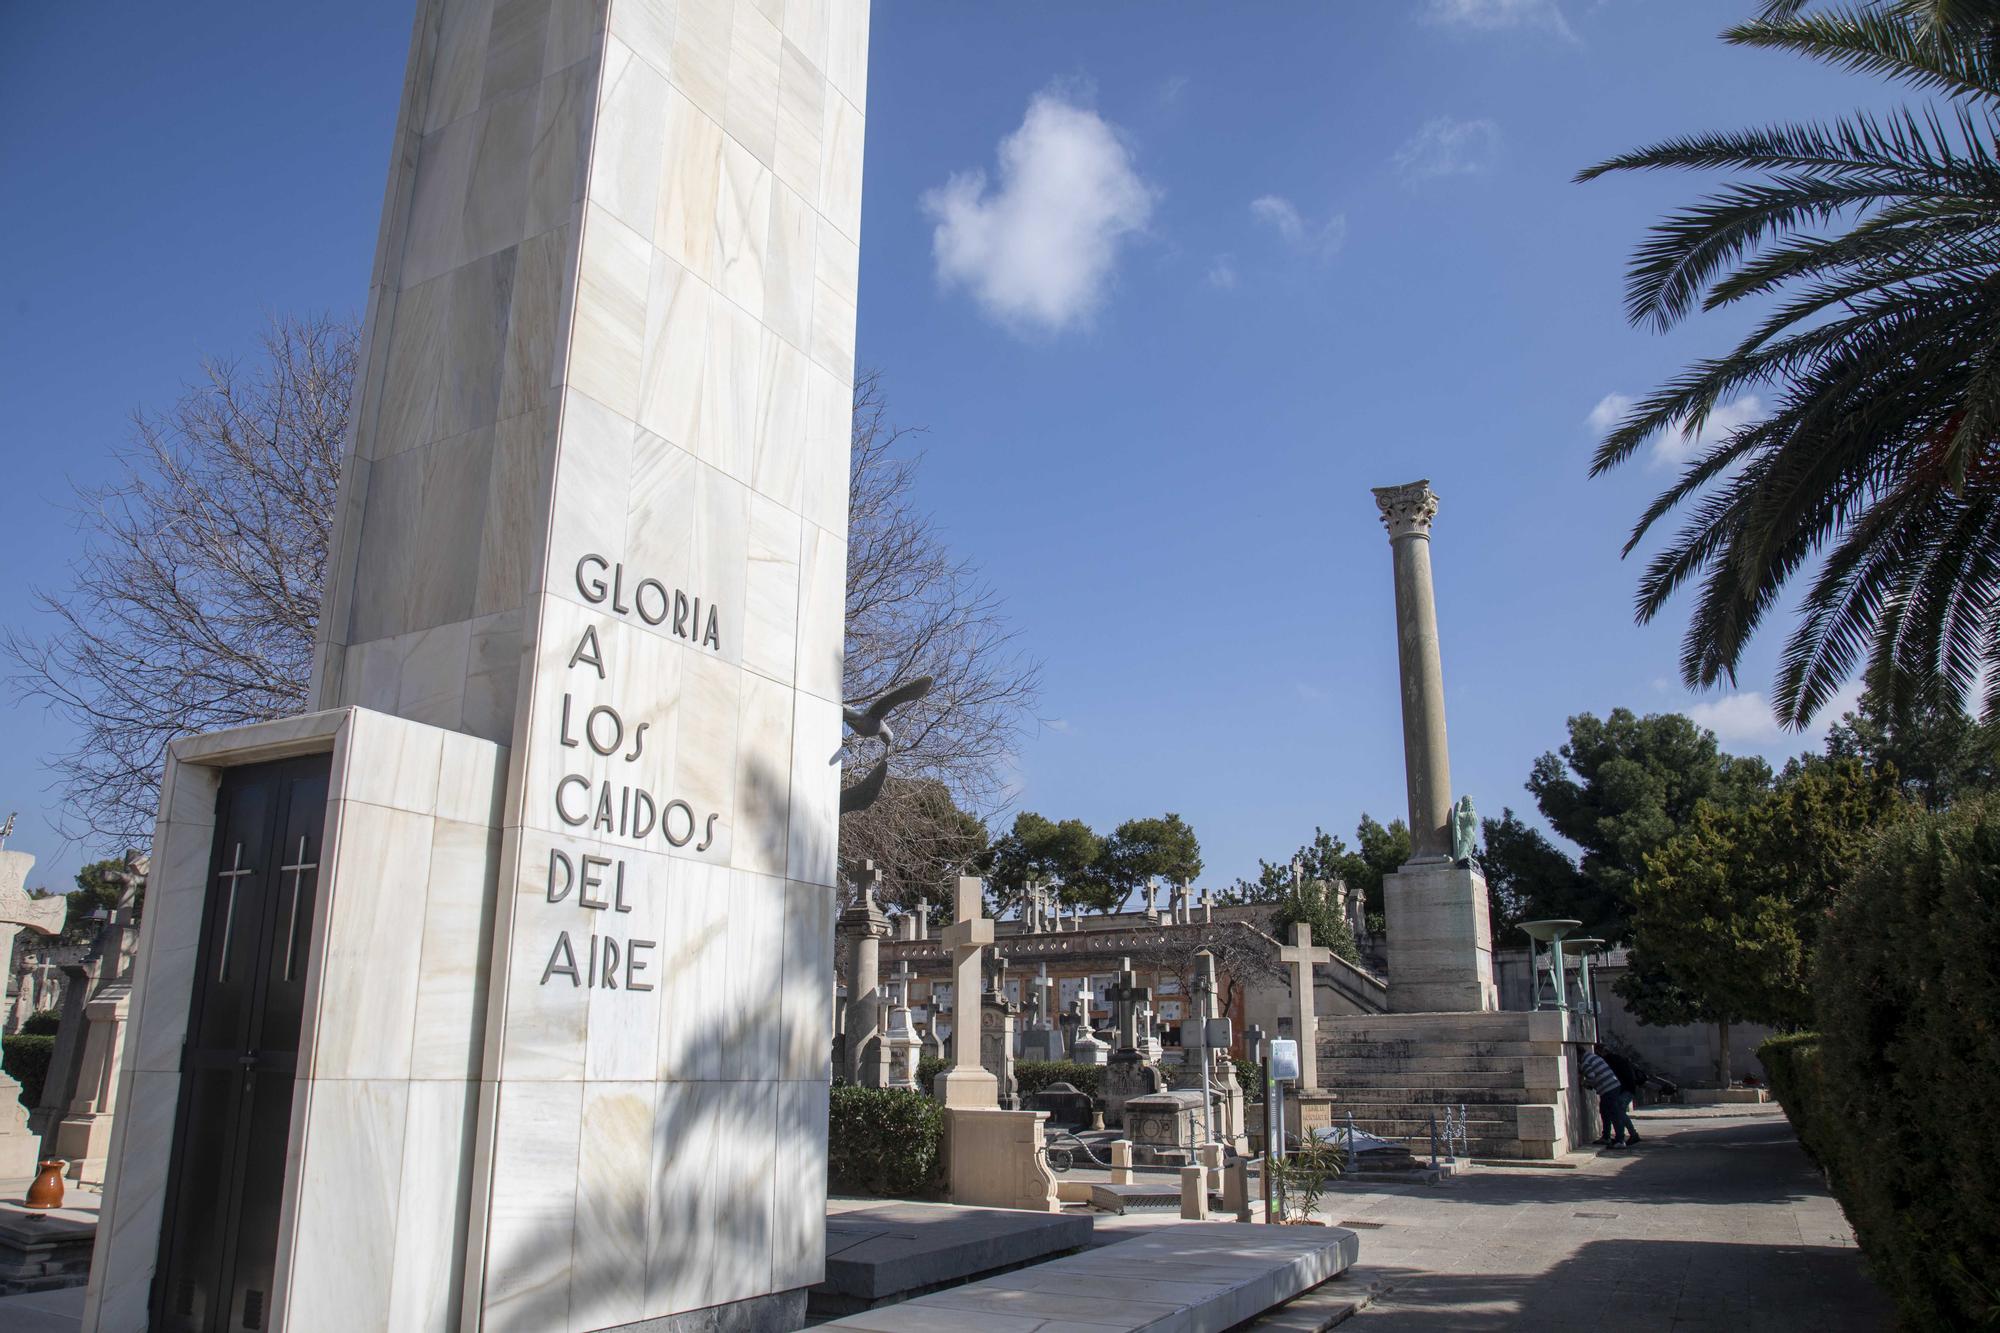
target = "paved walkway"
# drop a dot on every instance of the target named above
(1717, 1222)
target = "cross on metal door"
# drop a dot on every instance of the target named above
(226, 1178)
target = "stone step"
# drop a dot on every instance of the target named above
(1331, 1049)
(1422, 1064)
(1369, 1076)
(1420, 1113)
(1351, 1095)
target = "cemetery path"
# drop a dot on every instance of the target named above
(1716, 1222)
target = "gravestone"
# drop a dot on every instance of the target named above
(1066, 1105)
(901, 1039)
(1127, 1072)
(996, 1043)
(562, 978)
(1041, 1039)
(1164, 1126)
(44, 916)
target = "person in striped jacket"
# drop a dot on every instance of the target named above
(1614, 1100)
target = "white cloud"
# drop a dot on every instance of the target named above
(1222, 273)
(1320, 240)
(1745, 722)
(1677, 444)
(1447, 147)
(1492, 15)
(1038, 249)
(1172, 87)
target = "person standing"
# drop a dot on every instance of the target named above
(1614, 1099)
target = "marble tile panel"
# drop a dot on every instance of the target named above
(829, 440)
(833, 330)
(593, 464)
(814, 827)
(751, 113)
(407, 415)
(307, 733)
(546, 1025)
(187, 797)
(770, 615)
(742, 226)
(614, 276)
(445, 574)
(763, 777)
(647, 26)
(798, 1231)
(532, 1211)
(778, 468)
(672, 371)
(624, 1035)
(613, 1181)
(788, 266)
(690, 178)
(434, 241)
(576, 32)
(371, 910)
(170, 933)
(348, 1192)
(719, 565)
(391, 762)
(559, 165)
(653, 689)
(805, 27)
(806, 983)
(513, 518)
(685, 1224)
(375, 671)
(705, 758)
(847, 49)
(694, 945)
(837, 262)
(822, 612)
(744, 1192)
(456, 949)
(472, 779)
(661, 522)
(537, 323)
(495, 655)
(726, 438)
(840, 161)
(772, 10)
(482, 293)
(515, 45)
(391, 529)
(135, 1197)
(756, 916)
(801, 117)
(460, 63)
(701, 54)
(431, 1212)
(430, 682)
(496, 196)
(630, 145)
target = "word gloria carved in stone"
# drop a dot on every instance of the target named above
(652, 601)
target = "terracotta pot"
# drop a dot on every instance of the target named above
(47, 1189)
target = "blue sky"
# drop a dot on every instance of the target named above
(1170, 285)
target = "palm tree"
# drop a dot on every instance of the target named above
(1874, 243)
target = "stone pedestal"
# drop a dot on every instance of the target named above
(994, 1159)
(1440, 941)
(83, 1136)
(1126, 1076)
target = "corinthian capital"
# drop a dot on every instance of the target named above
(1407, 510)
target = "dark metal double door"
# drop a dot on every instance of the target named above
(226, 1180)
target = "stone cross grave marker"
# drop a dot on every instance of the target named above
(967, 1083)
(1127, 996)
(1301, 956)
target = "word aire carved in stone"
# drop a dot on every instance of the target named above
(608, 806)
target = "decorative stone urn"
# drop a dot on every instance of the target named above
(46, 1191)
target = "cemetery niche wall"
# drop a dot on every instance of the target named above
(504, 975)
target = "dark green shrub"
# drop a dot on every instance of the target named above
(26, 1058)
(1034, 1075)
(1792, 1065)
(884, 1141)
(928, 1068)
(41, 1023)
(1907, 989)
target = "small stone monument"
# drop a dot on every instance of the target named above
(1041, 1040)
(901, 1040)
(1127, 1073)
(1301, 956)
(996, 1038)
(865, 926)
(19, 912)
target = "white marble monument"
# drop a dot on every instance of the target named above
(563, 1060)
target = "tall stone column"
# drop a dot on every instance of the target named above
(1440, 939)
(1407, 512)
(863, 926)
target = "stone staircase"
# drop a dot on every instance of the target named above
(1397, 1074)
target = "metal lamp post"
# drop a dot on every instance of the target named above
(1551, 933)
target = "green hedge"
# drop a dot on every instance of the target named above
(1897, 1100)
(884, 1141)
(41, 1023)
(1034, 1075)
(26, 1058)
(928, 1068)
